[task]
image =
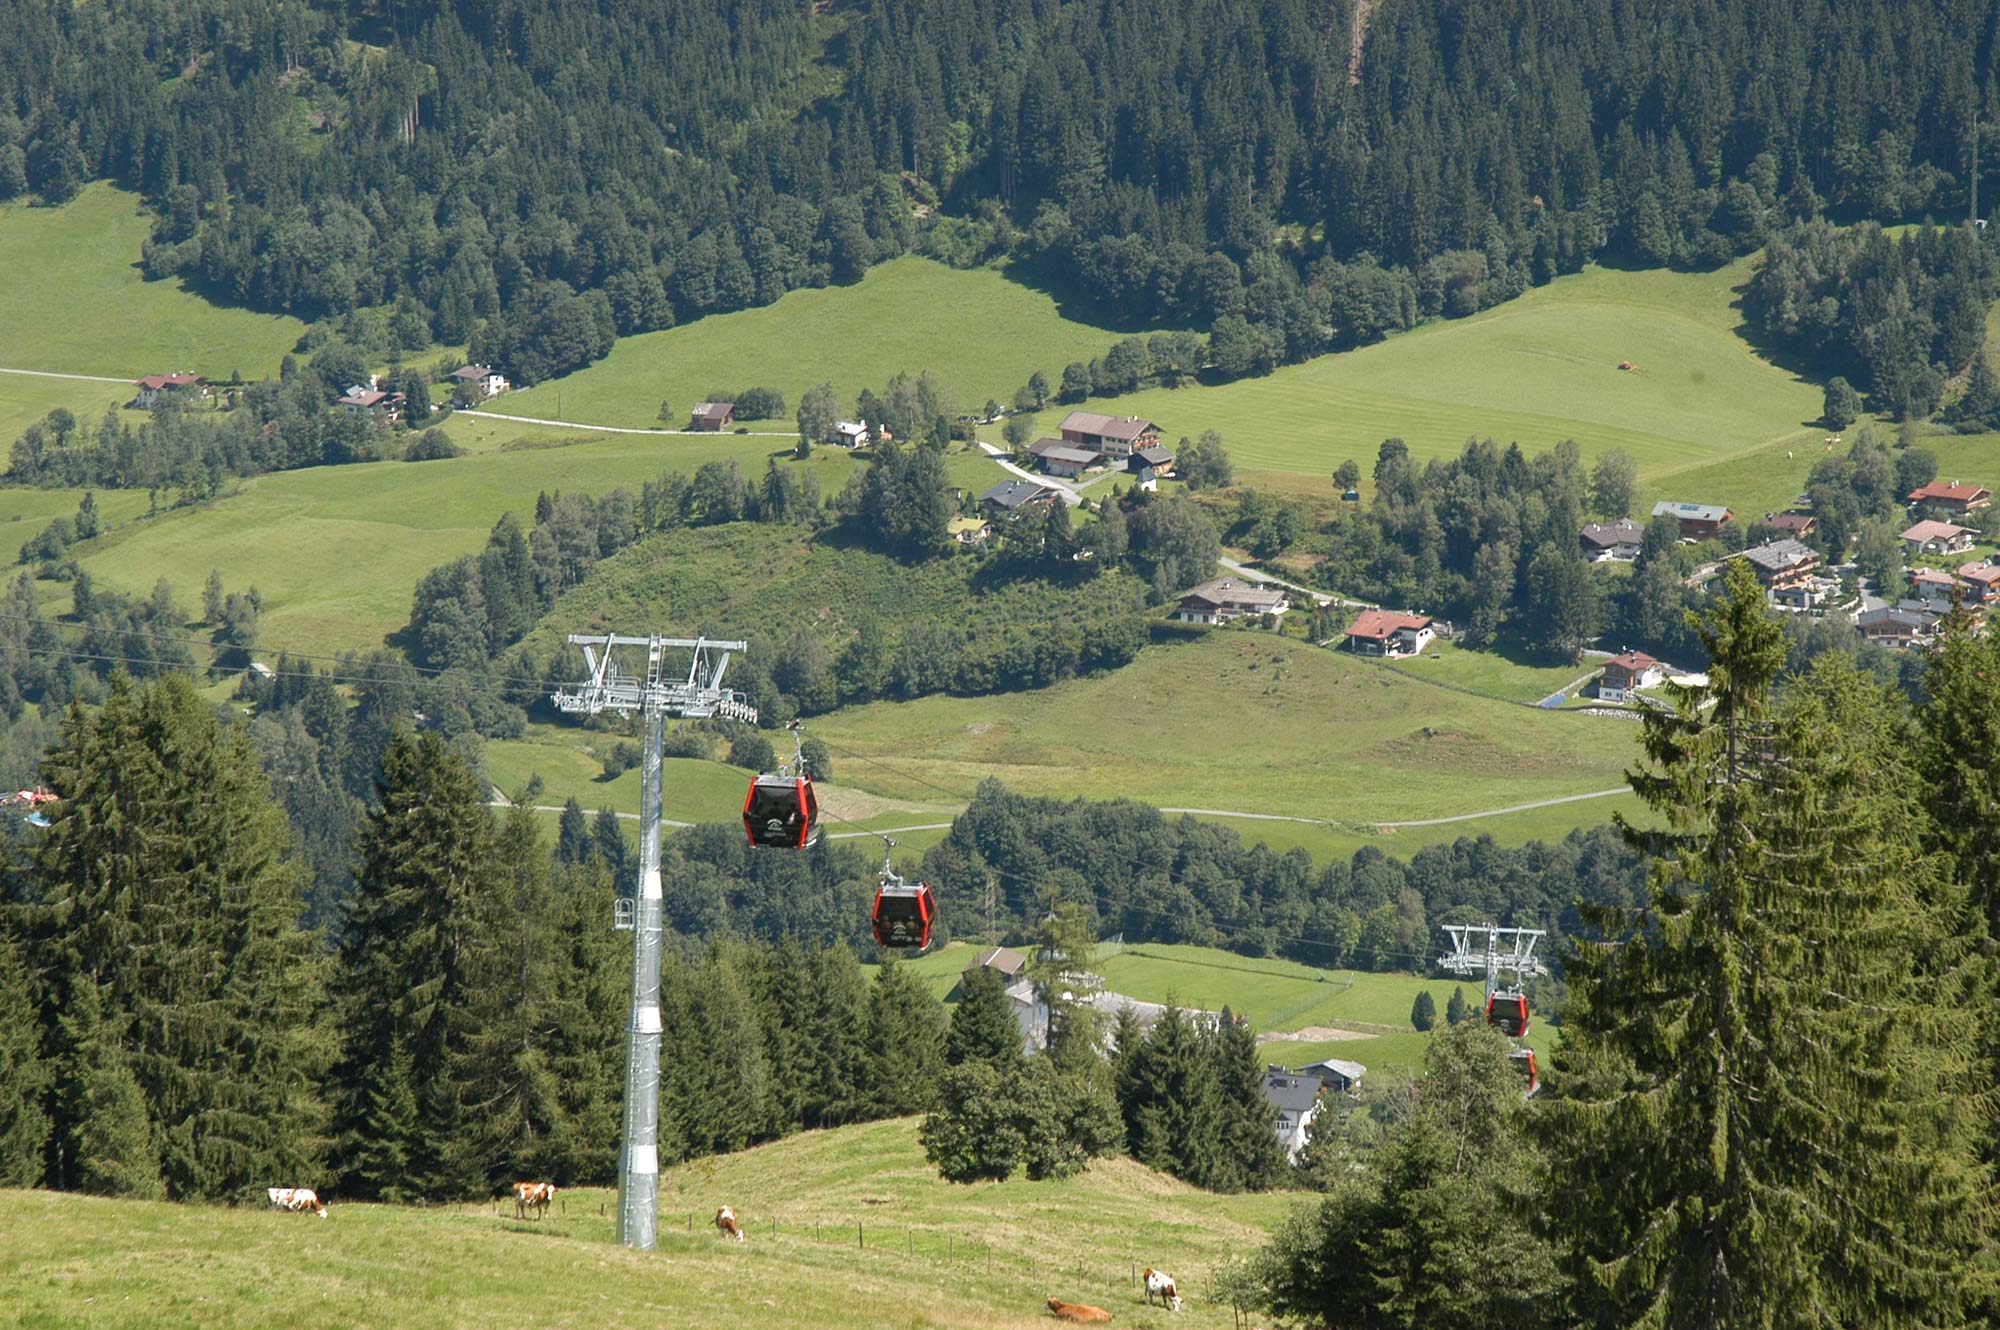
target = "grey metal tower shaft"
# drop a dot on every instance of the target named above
(655, 698)
(639, 1169)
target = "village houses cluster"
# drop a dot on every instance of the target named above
(1936, 548)
(1296, 1095)
(469, 384)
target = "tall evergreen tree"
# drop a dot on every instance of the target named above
(408, 952)
(1247, 1156)
(1787, 1002)
(983, 1028)
(905, 1043)
(24, 1074)
(170, 897)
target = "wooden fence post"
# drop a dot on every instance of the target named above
(860, 1235)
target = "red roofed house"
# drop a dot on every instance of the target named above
(1933, 587)
(372, 402)
(1982, 582)
(1387, 633)
(479, 381)
(1953, 500)
(1796, 525)
(1113, 436)
(179, 382)
(1930, 537)
(1626, 674)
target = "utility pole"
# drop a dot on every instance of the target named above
(655, 696)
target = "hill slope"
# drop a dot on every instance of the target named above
(68, 1259)
(73, 300)
(983, 334)
(1537, 370)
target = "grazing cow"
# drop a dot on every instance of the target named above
(1076, 1311)
(1160, 1283)
(296, 1199)
(726, 1225)
(533, 1196)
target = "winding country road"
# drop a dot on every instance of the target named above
(502, 801)
(479, 414)
(52, 374)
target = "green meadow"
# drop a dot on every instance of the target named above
(337, 551)
(1536, 370)
(848, 1229)
(979, 331)
(1302, 1013)
(1244, 722)
(72, 299)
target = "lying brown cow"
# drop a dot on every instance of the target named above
(1076, 1311)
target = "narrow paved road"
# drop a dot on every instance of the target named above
(51, 374)
(501, 801)
(999, 455)
(1516, 808)
(481, 414)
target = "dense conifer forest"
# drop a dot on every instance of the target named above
(535, 178)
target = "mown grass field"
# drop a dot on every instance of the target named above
(1349, 1014)
(935, 1255)
(72, 299)
(1241, 722)
(337, 551)
(26, 398)
(980, 332)
(1536, 370)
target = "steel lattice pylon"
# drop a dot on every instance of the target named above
(1491, 950)
(656, 697)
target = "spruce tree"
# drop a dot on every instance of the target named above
(983, 1028)
(513, 1109)
(586, 1026)
(1249, 1157)
(104, 1139)
(1424, 1012)
(408, 950)
(1456, 1009)
(572, 833)
(905, 1043)
(173, 895)
(1761, 1113)
(24, 1073)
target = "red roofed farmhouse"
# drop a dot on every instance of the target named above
(1387, 633)
(1953, 500)
(1627, 673)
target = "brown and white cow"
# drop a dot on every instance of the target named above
(296, 1199)
(1076, 1311)
(726, 1225)
(1161, 1284)
(533, 1196)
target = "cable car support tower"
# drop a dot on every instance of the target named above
(1492, 951)
(1495, 951)
(656, 695)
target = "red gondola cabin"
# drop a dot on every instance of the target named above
(903, 914)
(1524, 1062)
(782, 812)
(1508, 1013)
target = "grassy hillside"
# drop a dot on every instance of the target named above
(1242, 722)
(1535, 370)
(936, 1255)
(983, 334)
(73, 299)
(766, 581)
(1320, 1013)
(337, 551)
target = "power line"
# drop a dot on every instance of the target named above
(1103, 902)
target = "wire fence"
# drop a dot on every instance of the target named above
(1064, 1276)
